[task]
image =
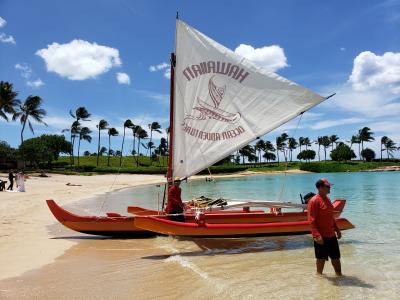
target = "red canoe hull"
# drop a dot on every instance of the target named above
(123, 226)
(107, 226)
(167, 227)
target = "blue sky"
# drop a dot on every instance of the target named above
(348, 47)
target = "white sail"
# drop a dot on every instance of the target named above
(223, 101)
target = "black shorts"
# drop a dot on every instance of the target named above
(330, 249)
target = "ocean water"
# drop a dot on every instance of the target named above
(237, 268)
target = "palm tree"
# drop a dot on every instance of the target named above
(111, 132)
(103, 150)
(269, 147)
(307, 142)
(333, 139)
(301, 142)
(135, 129)
(155, 126)
(383, 142)
(74, 132)
(141, 134)
(319, 141)
(81, 113)
(292, 145)
(101, 126)
(84, 134)
(8, 101)
(269, 156)
(281, 145)
(390, 147)
(366, 135)
(260, 145)
(325, 142)
(355, 139)
(247, 151)
(127, 124)
(30, 108)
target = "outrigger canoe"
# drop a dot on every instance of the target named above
(200, 229)
(116, 225)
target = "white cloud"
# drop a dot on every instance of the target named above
(371, 71)
(26, 70)
(270, 57)
(79, 59)
(371, 104)
(2, 22)
(165, 67)
(342, 49)
(167, 73)
(123, 78)
(4, 38)
(35, 83)
(333, 123)
(164, 98)
(159, 67)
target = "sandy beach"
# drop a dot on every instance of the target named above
(25, 217)
(24, 236)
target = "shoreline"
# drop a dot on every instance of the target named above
(24, 230)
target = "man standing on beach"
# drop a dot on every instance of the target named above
(11, 178)
(175, 204)
(323, 228)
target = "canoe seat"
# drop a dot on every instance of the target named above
(113, 214)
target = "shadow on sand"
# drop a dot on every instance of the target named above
(350, 281)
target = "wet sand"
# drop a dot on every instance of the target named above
(24, 217)
(168, 268)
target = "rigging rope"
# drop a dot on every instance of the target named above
(283, 186)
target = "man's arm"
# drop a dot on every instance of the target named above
(312, 213)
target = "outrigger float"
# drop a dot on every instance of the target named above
(219, 102)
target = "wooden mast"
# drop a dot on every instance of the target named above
(171, 119)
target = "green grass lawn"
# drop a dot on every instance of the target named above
(87, 166)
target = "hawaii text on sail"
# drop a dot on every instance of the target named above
(215, 67)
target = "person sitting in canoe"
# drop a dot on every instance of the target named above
(175, 206)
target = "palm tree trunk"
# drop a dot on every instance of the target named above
(98, 149)
(381, 152)
(319, 149)
(325, 152)
(109, 149)
(122, 148)
(151, 137)
(134, 145)
(277, 154)
(22, 130)
(359, 151)
(79, 146)
(138, 153)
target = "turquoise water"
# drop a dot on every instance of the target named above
(238, 268)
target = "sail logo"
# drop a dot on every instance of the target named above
(204, 111)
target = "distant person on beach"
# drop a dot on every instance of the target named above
(20, 181)
(11, 177)
(175, 204)
(324, 230)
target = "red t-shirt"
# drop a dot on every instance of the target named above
(320, 214)
(175, 204)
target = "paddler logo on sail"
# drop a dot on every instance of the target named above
(205, 111)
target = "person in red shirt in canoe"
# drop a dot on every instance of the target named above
(323, 228)
(175, 206)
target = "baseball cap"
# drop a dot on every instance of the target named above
(322, 182)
